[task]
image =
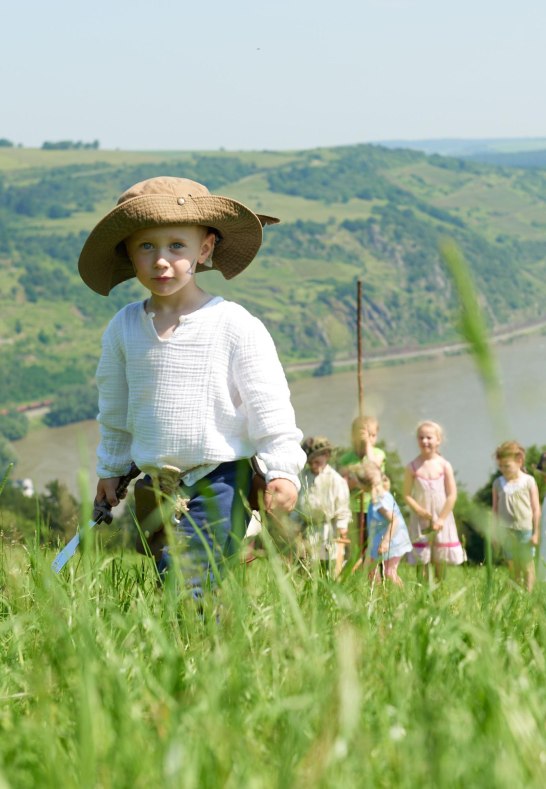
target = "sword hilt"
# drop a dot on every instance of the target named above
(102, 511)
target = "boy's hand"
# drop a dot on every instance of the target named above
(106, 491)
(280, 494)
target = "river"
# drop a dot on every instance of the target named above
(446, 389)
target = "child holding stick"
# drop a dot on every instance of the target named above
(364, 433)
(388, 538)
(517, 509)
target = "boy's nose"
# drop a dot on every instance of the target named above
(160, 260)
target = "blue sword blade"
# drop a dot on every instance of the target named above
(69, 550)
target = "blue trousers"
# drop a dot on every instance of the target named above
(215, 523)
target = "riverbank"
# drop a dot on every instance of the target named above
(408, 354)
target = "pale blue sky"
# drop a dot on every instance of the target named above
(247, 74)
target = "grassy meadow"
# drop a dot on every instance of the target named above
(288, 679)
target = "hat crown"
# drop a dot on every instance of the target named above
(315, 444)
(165, 185)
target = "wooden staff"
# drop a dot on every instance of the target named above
(359, 366)
(359, 347)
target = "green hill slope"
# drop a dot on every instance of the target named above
(350, 212)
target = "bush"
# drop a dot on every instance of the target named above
(7, 456)
(13, 425)
(73, 404)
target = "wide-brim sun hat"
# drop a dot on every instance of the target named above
(166, 200)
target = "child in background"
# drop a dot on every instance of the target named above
(364, 432)
(388, 538)
(189, 381)
(517, 510)
(430, 492)
(323, 503)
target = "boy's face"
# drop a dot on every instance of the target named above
(165, 258)
(318, 463)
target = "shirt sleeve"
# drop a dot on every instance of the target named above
(114, 450)
(386, 502)
(266, 399)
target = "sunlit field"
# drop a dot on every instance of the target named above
(280, 678)
(284, 679)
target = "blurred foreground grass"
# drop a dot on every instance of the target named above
(288, 680)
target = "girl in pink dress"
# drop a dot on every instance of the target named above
(430, 492)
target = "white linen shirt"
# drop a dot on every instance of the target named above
(324, 499)
(214, 391)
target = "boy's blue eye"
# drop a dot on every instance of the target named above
(177, 245)
(146, 245)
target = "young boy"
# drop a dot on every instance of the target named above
(323, 504)
(364, 432)
(187, 379)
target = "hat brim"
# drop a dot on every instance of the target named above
(322, 451)
(104, 263)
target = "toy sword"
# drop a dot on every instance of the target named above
(102, 513)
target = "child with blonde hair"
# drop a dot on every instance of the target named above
(188, 381)
(430, 492)
(517, 509)
(388, 538)
(364, 432)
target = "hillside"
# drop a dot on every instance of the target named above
(349, 212)
(464, 147)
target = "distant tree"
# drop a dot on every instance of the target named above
(5, 143)
(56, 511)
(27, 205)
(18, 514)
(73, 404)
(13, 425)
(7, 456)
(69, 145)
(471, 514)
(59, 508)
(58, 211)
(326, 367)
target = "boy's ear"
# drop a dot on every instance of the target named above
(207, 247)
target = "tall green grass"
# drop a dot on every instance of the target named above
(286, 679)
